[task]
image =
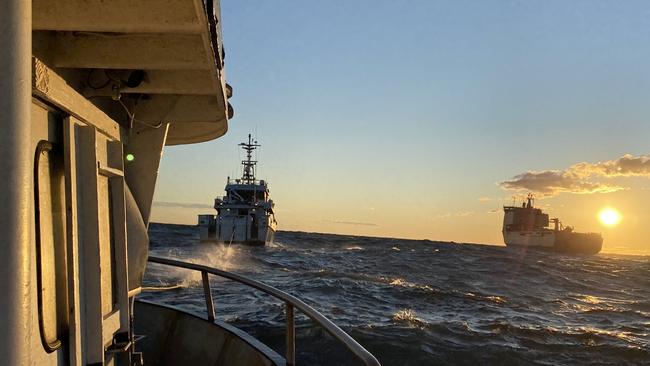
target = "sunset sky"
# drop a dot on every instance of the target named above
(421, 119)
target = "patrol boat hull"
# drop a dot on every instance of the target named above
(237, 229)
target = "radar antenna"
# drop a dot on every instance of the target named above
(530, 200)
(248, 176)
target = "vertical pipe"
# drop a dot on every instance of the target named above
(209, 305)
(15, 185)
(290, 356)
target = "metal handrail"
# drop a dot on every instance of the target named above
(291, 302)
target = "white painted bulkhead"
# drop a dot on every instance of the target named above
(544, 238)
(70, 201)
(79, 299)
(529, 238)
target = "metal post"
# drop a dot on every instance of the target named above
(291, 337)
(208, 295)
(15, 185)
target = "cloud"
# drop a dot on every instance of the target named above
(181, 205)
(355, 223)
(625, 166)
(484, 199)
(579, 178)
(454, 214)
(553, 182)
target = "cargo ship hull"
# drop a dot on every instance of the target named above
(560, 241)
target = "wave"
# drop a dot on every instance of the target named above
(416, 302)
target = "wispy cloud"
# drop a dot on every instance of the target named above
(181, 205)
(580, 178)
(448, 215)
(484, 199)
(355, 223)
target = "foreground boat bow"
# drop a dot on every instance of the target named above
(291, 303)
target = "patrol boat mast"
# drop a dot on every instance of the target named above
(248, 176)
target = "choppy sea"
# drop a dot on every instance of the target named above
(420, 302)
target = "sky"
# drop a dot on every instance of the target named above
(421, 119)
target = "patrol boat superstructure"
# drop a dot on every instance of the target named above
(527, 226)
(245, 214)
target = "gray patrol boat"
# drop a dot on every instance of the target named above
(245, 214)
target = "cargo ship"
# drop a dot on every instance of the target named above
(527, 226)
(245, 214)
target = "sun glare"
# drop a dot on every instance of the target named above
(609, 216)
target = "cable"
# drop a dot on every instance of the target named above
(133, 119)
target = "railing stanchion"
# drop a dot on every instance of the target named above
(208, 295)
(291, 337)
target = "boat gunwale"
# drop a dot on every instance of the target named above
(291, 301)
(265, 350)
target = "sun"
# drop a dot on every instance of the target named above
(609, 216)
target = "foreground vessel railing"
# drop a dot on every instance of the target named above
(290, 301)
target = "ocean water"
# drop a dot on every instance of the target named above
(413, 302)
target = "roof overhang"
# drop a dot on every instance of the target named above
(146, 62)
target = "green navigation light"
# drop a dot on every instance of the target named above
(130, 157)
